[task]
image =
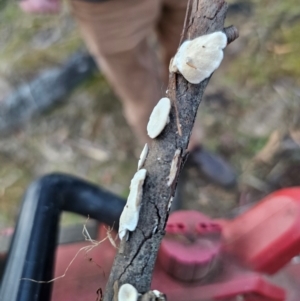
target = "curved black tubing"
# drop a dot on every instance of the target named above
(32, 250)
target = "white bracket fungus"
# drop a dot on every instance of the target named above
(197, 59)
(174, 167)
(130, 214)
(127, 292)
(159, 117)
(143, 156)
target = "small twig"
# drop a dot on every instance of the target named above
(185, 21)
(232, 33)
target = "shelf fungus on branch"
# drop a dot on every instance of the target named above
(127, 292)
(159, 117)
(143, 156)
(197, 59)
(130, 214)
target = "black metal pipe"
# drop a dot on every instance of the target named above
(33, 246)
(49, 88)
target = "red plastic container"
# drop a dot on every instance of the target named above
(267, 236)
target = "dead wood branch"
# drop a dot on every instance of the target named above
(135, 260)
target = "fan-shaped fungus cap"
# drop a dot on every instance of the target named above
(127, 292)
(130, 214)
(159, 117)
(197, 59)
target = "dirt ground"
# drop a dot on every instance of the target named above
(250, 114)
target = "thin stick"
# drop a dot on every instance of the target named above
(185, 22)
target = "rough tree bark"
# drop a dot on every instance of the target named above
(135, 260)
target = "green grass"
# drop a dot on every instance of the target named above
(18, 33)
(272, 50)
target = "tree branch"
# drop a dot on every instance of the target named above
(135, 260)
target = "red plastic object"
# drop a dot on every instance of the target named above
(89, 272)
(189, 252)
(201, 259)
(266, 237)
(252, 287)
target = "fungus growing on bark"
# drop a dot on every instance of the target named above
(159, 295)
(130, 214)
(174, 167)
(127, 292)
(159, 117)
(143, 156)
(197, 59)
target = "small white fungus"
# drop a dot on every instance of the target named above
(127, 292)
(159, 117)
(130, 214)
(174, 167)
(143, 156)
(197, 59)
(157, 293)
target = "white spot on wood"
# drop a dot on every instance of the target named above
(197, 59)
(157, 293)
(159, 117)
(130, 214)
(170, 203)
(174, 167)
(127, 292)
(143, 156)
(126, 236)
